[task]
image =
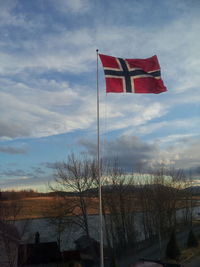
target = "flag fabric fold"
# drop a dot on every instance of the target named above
(141, 76)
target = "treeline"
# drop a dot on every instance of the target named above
(21, 194)
(135, 207)
(145, 208)
(14, 194)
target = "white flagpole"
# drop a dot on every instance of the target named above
(98, 172)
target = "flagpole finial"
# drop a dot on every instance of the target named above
(97, 50)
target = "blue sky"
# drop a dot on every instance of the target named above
(48, 85)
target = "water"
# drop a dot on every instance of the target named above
(72, 233)
(48, 232)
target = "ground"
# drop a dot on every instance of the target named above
(194, 262)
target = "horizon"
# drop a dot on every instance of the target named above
(145, 180)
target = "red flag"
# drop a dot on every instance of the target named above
(132, 75)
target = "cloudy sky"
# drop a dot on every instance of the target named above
(48, 85)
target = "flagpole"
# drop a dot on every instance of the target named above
(98, 172)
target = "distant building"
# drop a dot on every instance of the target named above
(39, 253)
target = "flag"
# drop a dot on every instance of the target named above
(140, 76)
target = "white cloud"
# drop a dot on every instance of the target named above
(43, 107)
(5, 13)
(75, 6)
(187, 154)
(175, 43)
(175, 139)
(178, 125)
(9, 17)
(32, 112)
(130, 112)
(62, 51)
(74, 50)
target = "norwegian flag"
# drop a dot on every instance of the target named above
(140, 76)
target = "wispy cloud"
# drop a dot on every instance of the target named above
(22, 179)
(33, 112)
(185, 127)
(13, 150)
(75, 6)
(41, 108)
(70, 50)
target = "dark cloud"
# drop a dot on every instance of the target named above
(193, 171)
(29, 174)
(17, 172)
(12, 150)
(131, 152)
(197, 170)
(25, 181)
(51, 165)
(13, 130)
(21, 178)
(38, 170)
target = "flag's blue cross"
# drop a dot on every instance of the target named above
(127, 74)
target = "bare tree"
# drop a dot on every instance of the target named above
(77, 176)
(119, 208)
(188, 201)
(58, 216)
(9, 242)
(161, 196)
(9, 235)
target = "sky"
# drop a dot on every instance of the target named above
(48, 86)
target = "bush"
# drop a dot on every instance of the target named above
(74, 264)
(192, 240)
(113, 263)
(172, 250)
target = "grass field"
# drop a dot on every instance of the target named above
(40, 207)
(47, 206)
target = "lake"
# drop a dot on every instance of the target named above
(72, 233)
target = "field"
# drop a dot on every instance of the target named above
(47, 206)
(40, 207)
